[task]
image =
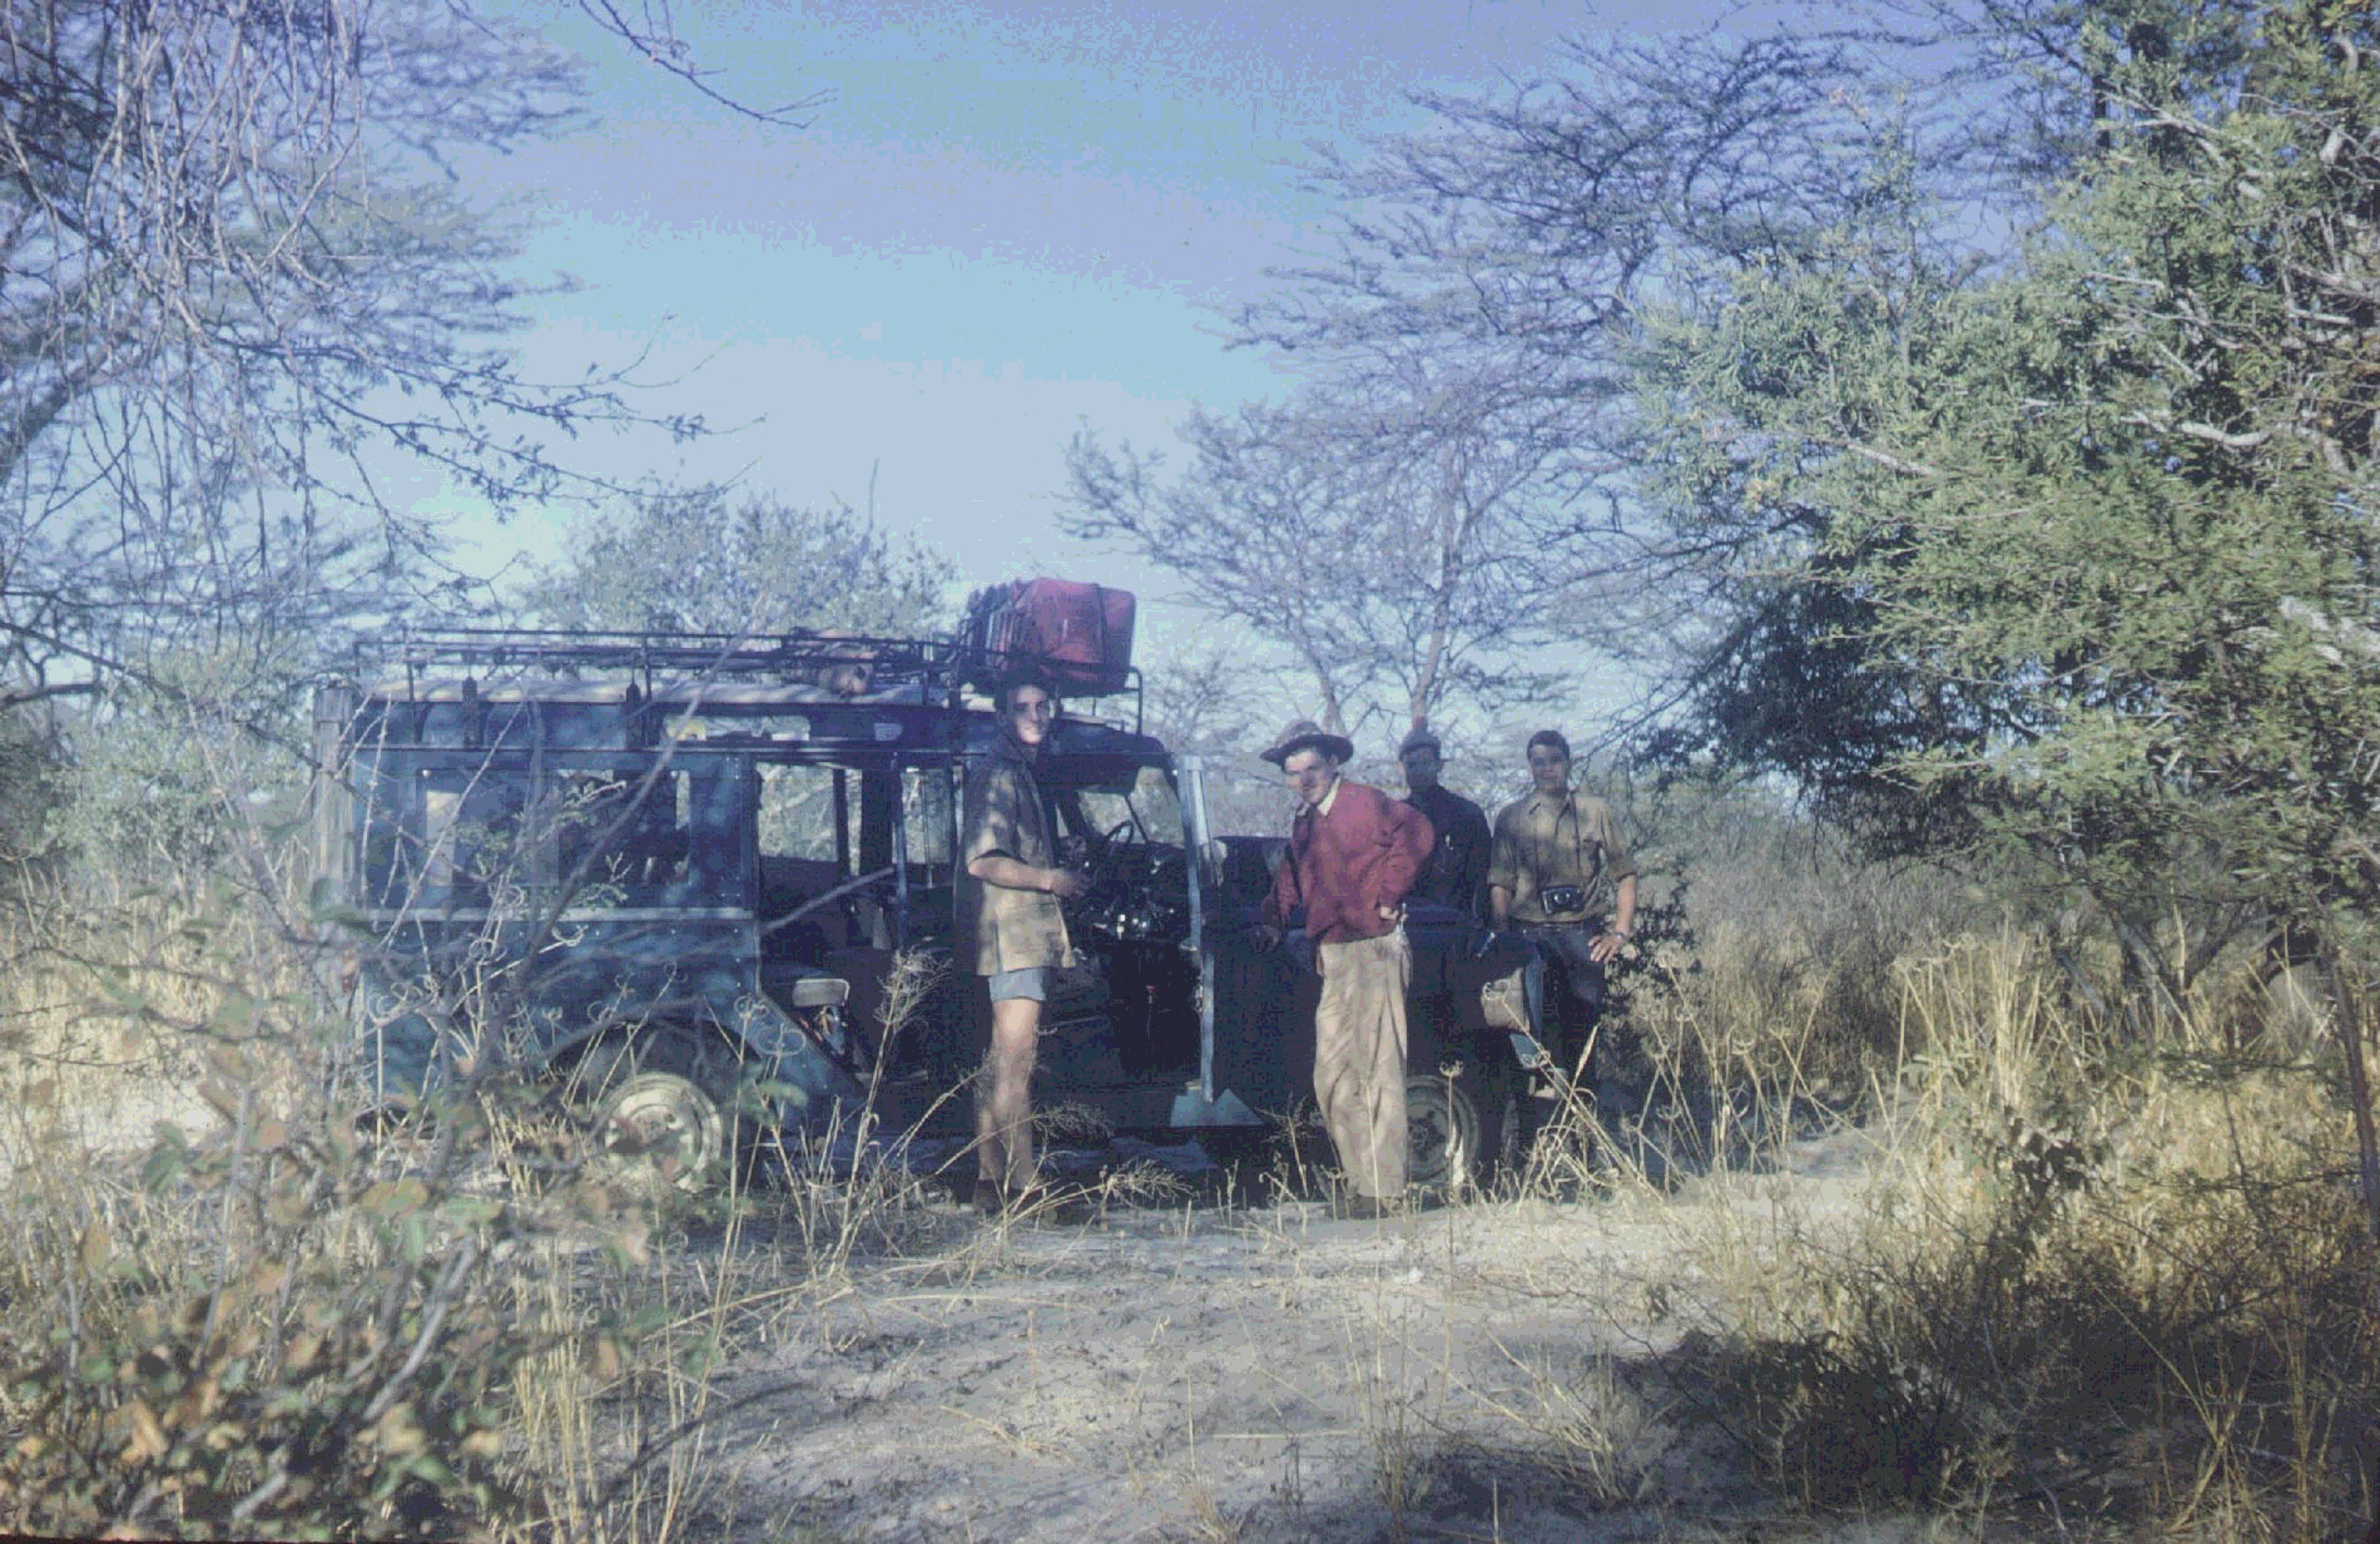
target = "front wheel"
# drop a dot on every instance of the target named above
(1442, 1134)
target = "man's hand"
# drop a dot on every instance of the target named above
(1606, 948)
(1065, 883)
(1268, 938)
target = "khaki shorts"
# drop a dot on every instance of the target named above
(1032, 984)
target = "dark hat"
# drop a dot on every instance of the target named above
(1420, 734)
(1306, 735)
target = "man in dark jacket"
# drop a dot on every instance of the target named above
(1354, 856)
(1457, 874)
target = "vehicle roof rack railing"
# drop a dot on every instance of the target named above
(940, 666)
(655, 654)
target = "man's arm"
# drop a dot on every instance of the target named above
(1409, 839)
(992, 836)
(1009, 873)
(1606, 945)
(1504, 870)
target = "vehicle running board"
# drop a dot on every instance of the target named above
(1224, 1109)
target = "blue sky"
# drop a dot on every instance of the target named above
(1012, 219)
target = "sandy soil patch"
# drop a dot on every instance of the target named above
(1484, 1372)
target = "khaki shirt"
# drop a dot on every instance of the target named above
(1541, 842)
(1001, 929)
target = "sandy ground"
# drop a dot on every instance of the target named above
(1197, 1371)
(1488, 1372)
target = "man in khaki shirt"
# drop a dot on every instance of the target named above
(1552, 857)
(1012, 931)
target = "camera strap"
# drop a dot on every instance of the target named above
(1588, 873)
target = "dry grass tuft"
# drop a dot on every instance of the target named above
(264, 1315)
(2087, 1279)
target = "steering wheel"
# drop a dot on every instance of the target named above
(1107, 879)
(1099, 860)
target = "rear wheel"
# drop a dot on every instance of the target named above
(664, 1123)
(663, 1104)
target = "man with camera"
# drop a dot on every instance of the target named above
(1552, 855)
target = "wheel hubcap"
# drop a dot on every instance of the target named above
(663, 1124)
(1441, 1132)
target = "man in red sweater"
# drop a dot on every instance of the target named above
(1354, 854)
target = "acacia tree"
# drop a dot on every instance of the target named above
(2091, 569)
(1934, 519)
(1445, 513)
(1379, 544)
(692, 561)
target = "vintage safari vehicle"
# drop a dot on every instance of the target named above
(692, 878)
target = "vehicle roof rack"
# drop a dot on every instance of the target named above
(656, 656)
(857, 667)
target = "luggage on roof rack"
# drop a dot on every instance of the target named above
(1081, 633)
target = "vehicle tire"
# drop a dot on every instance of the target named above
(660, 1105)
(1443, 1134)
(665, 1123)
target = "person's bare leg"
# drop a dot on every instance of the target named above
(1003, 1113)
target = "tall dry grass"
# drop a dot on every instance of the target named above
(2057, 1276)
(2089, 1284)
(233, 1311)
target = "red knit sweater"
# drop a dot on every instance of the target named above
(1345, 866)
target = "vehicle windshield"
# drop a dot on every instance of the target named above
(1147, 811)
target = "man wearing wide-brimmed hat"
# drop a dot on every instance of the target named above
(1353, 854)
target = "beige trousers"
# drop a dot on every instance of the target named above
(1359, 1058)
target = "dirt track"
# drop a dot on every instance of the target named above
(1204, 1372)
(1259, 1374)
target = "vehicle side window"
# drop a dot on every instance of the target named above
(798, 813)
(624, 840)
(471, 835)
(470, 822)
(804, 858)
(926, 809)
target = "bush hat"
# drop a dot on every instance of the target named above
(1306, 735)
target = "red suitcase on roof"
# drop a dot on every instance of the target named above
(1081, 633)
